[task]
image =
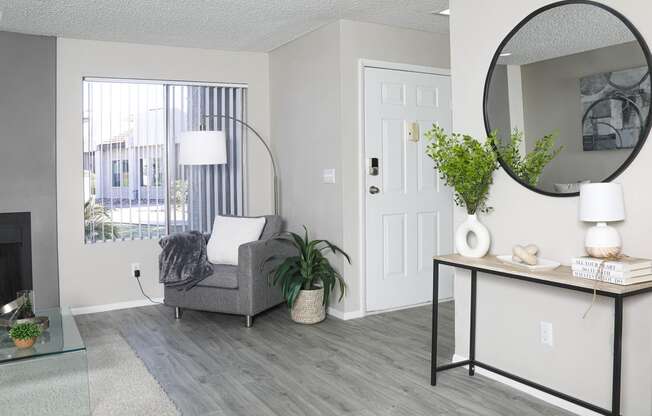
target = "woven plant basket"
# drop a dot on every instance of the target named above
(309, 307)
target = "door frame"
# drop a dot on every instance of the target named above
(362, 203)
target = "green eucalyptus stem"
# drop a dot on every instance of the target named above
(464, 164)
(530, 166)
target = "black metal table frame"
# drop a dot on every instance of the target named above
(472, 362)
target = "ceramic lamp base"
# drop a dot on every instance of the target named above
(602, 241)
(603, 252)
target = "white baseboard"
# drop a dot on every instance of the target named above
(345, 316)
(83, 310)
(531, 391)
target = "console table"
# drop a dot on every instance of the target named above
(560, 277)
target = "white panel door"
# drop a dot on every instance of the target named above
(409, 212)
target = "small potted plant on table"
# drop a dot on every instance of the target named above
(24, 335)
(307, 279)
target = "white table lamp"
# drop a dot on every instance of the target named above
(202, 148)
(601, 203)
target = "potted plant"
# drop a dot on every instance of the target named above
(307, 279)
(467, 166)
(24, 335)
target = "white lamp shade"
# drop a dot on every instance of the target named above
(202, 148)
(601, 202)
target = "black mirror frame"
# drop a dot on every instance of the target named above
(510, 35)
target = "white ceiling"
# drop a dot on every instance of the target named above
(242, 25)
(563, 31)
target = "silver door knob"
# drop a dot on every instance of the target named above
(373, 190)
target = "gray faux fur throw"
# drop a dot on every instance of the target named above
(183, 262)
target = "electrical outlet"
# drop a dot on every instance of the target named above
(135, 269)
(547, 334)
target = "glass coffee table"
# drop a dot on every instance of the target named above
(50, 378)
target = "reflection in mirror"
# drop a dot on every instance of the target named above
(569, 98)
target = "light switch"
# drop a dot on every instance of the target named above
(328, 176)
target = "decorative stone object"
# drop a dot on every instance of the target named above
(527, 254)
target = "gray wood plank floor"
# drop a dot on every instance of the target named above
(210, 365)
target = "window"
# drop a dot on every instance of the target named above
(119, 173)
(115, 173)
(138, 123)
(157, 173)
(144, 172)
(153, 176)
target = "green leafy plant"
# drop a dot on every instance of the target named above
(97, 222)
(24, 331)
(180, 192)
(465, 164)
(530, 166)
(309, 269)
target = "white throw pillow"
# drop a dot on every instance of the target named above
(228, 234)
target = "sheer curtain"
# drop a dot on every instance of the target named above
(199, 193)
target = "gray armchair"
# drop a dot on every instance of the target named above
(242, 289)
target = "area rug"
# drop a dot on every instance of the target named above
(120, 383)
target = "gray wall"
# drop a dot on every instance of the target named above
(305, 104)
(359, 40)
(509, 313)
(314, 119)
(111, 281)
(27, 156)
(552, 87)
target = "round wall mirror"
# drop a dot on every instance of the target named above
(568, 97)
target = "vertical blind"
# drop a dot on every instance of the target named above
(215, 189)
(133, 186)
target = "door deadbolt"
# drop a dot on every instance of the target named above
(373, 190)
(373, 166)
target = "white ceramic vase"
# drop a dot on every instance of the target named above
(482, 238)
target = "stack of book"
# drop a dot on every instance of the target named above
(626, 271)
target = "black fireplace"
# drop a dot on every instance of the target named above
(15, 254)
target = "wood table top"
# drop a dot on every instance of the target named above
(561, 276)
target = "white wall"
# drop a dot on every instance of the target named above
(100, 273)
(508, 312)
(314, 94)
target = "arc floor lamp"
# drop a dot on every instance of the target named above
(208, 147)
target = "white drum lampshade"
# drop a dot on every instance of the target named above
(202, 148)
(601, 203)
